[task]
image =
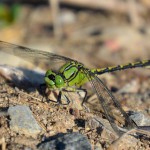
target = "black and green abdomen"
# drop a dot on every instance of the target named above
(122, 67)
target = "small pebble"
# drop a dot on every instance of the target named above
(140, 119)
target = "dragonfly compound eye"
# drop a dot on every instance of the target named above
(59, 81)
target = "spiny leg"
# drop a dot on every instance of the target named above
(62, 92)
(70, 89)
(85, 97)
(59, 98)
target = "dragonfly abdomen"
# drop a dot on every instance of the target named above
(122, 67)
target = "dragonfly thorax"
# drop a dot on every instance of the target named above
(73, 74)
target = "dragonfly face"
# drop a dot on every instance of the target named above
(53, 80)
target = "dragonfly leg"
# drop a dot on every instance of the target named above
(59, 98)
(75, 90)
(78, 90)
(42, 90)
(68, 101)
(85, 97)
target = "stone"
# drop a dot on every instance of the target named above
(22, 121)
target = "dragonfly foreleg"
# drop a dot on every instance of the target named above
(85, 96)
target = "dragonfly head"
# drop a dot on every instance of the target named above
(53, 80)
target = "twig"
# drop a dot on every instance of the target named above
(2, 142)
(112, 5)
(55, 18)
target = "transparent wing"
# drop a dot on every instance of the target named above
(33, 55)
(107, 100)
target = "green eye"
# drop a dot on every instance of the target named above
(59, 81)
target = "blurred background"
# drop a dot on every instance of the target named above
(98, 33)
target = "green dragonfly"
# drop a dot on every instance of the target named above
(70, 75)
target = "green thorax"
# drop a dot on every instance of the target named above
(74, 74)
